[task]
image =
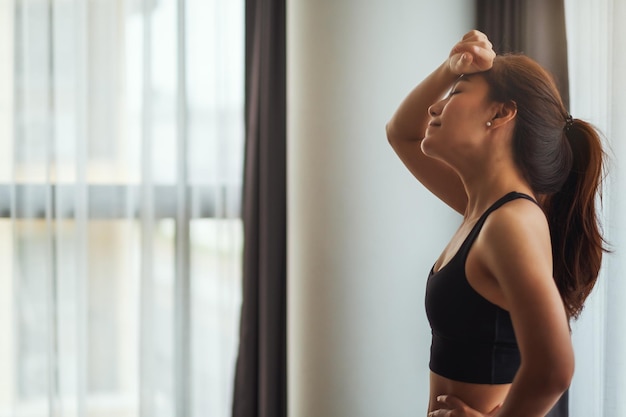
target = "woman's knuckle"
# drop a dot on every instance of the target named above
(462, 411)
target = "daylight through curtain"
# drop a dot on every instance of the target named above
(121, 130)
(597, 61)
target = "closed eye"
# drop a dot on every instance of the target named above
(453, 92)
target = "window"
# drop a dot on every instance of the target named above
(597, 61)
(121, 129)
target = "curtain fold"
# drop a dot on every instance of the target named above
(537, 29)
(533, 27)
(596, 35)
(260, 382)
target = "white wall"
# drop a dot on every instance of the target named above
(362, 233)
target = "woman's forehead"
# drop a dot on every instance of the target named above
(466, 79)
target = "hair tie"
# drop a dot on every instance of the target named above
(569, 121)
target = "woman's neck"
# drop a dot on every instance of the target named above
(486, 187)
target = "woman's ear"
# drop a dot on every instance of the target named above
(505, 112)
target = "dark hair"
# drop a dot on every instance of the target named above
(563, 161)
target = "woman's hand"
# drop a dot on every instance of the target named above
(474, 53)
(453, 407)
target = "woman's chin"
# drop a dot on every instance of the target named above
(427, 146)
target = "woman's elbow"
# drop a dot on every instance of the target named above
(565, 369)
(389, 132)
(560, 378)
(556, 376)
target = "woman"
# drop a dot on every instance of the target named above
(502, 150)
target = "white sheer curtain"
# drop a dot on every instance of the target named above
(121, 148)
(597, 63)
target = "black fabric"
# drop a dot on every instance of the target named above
(473, 339)
(261, 372)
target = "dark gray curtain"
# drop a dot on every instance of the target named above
(261, 373)
(533, 27)
(537, 29)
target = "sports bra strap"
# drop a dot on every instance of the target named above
(513, 195)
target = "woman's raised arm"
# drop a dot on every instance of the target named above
(406, 128)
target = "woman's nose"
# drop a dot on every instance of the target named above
(435, 109)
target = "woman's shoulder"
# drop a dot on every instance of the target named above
(517, 216)
(516, 236)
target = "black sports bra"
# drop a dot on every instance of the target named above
(472, 338)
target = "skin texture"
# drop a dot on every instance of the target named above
(459, 146)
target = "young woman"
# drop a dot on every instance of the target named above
(501, 149)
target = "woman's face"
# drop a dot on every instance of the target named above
(458, 123)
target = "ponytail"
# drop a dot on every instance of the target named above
(577, 243)
(563, 161)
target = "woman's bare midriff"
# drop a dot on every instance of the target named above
(481, 397)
